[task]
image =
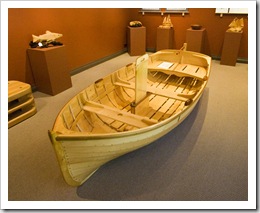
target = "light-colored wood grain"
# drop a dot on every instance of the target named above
(193, 65)
(118, 115)
(17, 89)
(20, 102)
(125, 111)
(141, 78)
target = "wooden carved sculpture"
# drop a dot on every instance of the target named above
(44, 40)
(135, 24)
(236, 25)
(167, 23)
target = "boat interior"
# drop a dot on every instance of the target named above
(109, 104)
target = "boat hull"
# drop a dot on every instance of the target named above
(81, 156)
(118, 114)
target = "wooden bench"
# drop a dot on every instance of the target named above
(157, 91)
(20, 102)
(181, 70)
(179, 63)
(118, 115)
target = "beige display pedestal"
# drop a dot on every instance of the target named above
(164, 38)
(230, 48)
(136, 40)
(195, 39)
(50, 69)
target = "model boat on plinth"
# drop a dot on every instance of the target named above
(127, 110)
(236, 25)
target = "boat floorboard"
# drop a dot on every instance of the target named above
(159, 107)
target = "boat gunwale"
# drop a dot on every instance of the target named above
(73, 135)
(68, 134)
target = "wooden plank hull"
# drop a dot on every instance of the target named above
(86, 137)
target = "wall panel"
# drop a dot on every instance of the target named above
(92, 34)
(214, 24)
(89, 34)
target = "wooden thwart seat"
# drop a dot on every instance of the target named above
(181, 70)
(119, 115)
(180, 63)
(157, 91)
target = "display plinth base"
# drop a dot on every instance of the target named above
(164, 38)
(50, 69)
(231, 48)
(136, 40)
(195, 39)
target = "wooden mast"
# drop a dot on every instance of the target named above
(141, 70)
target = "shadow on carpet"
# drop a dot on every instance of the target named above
(143, 174)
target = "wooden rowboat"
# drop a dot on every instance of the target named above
(127, 110)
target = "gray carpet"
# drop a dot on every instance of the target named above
(204, 159)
